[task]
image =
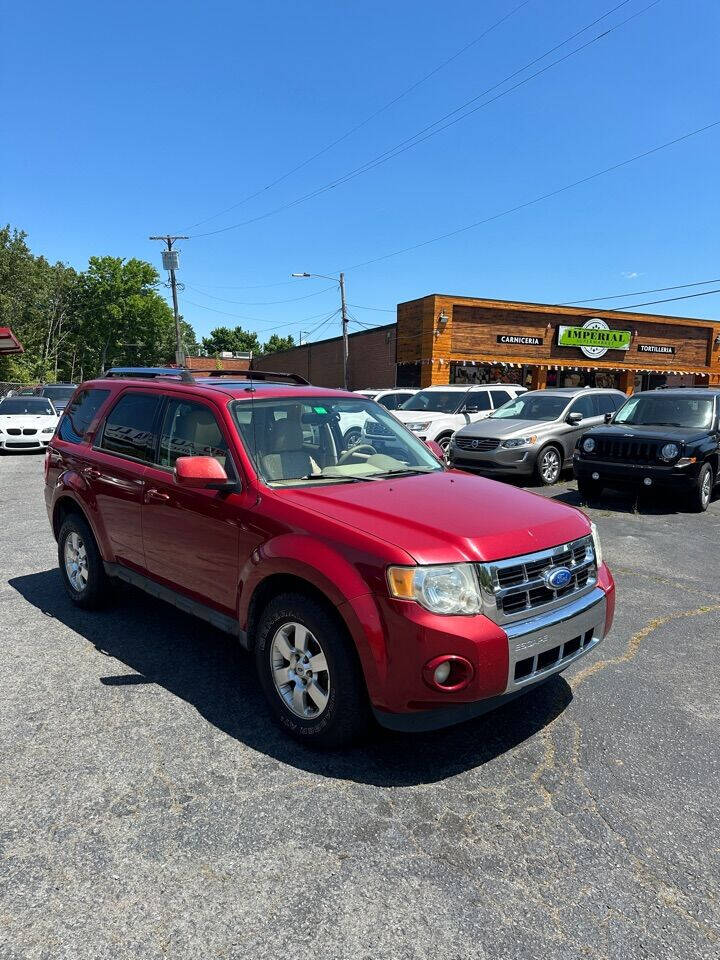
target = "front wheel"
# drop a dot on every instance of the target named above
(702, 491)
(444, 443)
(310, 673)
(548, 466)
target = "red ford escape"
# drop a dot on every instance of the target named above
(366, 578)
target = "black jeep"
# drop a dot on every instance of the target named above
(666, 438)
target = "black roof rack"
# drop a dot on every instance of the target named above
(188, 376)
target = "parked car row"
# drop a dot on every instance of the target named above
(26, 422)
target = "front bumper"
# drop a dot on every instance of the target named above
(614, 474)
(24, 443)
(519, 460)
(508, 661)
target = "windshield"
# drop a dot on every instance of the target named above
(656, 410)
(35, 406)
(436, 401)
(532, 406)
(308, 441)
(58, 393)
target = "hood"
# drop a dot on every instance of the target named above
(27, 420)
(627, 430)
(446, 517)
(505, 428)
(421, 416)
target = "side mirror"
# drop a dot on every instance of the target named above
(200, 473)
(435, 449)
(608, 417)
(574, 419)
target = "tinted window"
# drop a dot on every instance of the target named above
(79, 414)
(436, 401)
(26, 405)
(130, 426)
(480, 400)
(58, 393)
(607, 402)
(499, 397)
(585, 406)
(191, 430)
(532, 406)
(391, 401)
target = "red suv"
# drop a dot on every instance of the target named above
(367, 579)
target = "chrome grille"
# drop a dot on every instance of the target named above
(516, 588)
(476, 443)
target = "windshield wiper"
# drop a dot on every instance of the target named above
(325, 476)
(406, 470)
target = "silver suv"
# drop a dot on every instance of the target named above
(535, 433)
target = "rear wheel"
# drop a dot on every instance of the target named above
(548, 466)
(702, 491)
(81, 566)
(309, 673)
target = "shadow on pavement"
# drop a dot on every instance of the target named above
(209, 670)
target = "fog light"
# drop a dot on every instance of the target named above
(596, 476)
(442, 672)
(647, 481)
(448, 673)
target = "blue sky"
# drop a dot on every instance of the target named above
(124, 120)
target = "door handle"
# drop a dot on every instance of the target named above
(90, 473)
(153, 494)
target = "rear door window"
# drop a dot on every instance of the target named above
(130, 428)
(478, 400)
(499, 397)
(607, 403)
(80, 413)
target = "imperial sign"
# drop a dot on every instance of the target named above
(594, 338)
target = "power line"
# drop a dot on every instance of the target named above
(539, 199)
(647, 303)
(362, 123)
(259, 303)
(422, 135)
(239, 316)
(361, 306)
(639, 293)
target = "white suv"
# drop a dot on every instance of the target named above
(437, 412)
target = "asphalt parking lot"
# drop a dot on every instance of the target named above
(149, 809)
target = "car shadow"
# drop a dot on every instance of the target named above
(210, 671)
(655, 504)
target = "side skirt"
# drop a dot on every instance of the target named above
(179, 600)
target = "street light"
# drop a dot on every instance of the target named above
(343, 307)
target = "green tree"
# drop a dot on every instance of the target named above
(277, 342)
(122, 315)
(234, 339)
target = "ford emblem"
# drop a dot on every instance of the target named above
(557, 577)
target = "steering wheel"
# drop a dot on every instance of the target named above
(366, 449)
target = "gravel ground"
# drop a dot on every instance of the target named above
(149, 809)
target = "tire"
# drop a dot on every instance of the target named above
(548, 466)
(699, 498)
(337, 713)
(81, 566)
(352, 437)
(589, 490)
(444, 442)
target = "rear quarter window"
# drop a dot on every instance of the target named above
(131, 427)
(80, 413)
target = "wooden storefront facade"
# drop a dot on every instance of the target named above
(443, 339)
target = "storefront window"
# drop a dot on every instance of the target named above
(487, 373)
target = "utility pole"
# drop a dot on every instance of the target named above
(343, 305)
(171, 262)
(344, 313)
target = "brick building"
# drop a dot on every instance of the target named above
(371, 360)
(238, 362)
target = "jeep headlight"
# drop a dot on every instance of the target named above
(670, 451)
(596, 544)
(588, 444)
(418, 425)
(519, 442)
(448, 589)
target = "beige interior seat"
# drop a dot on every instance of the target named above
(282, 453)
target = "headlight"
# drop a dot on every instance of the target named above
(519, 442)
(596, 544)
(418, 426)
(49, 430)
(670, 451)
(588, 444)
(449, 589)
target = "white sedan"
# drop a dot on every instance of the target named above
(26, 423)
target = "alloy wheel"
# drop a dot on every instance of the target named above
(300, 670)
(76, 562)
(550, 466)
(706, 489)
